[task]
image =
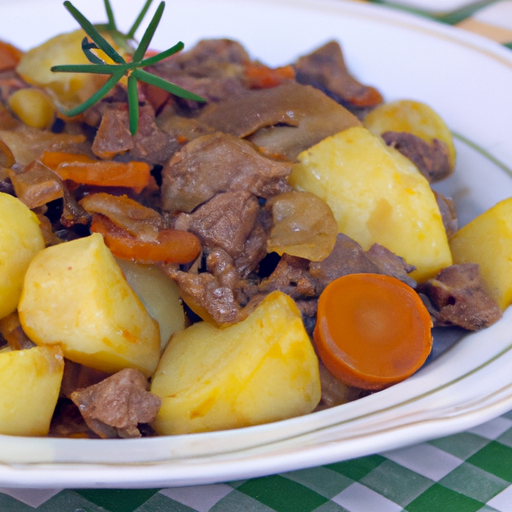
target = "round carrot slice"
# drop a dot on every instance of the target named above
(372, 330)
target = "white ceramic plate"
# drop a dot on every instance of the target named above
(468, 80)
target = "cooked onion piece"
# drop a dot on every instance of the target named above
(304, 226)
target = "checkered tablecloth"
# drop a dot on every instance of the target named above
(466, 472)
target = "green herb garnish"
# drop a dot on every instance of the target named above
(133, 70)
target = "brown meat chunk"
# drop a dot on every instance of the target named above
(212, 295)
(225, 221)
(219, 163)
(325, 69)
(459, 298)
(209, 57)
(233, 222)
(213, 69)
(115, 406)
(348, 257)
(150, 144)
(255, 247)
(113, 136)
(390, 264)
(432, 160)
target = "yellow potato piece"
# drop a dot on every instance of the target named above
(20, 240)
(33, 106)
(30, 383)
(259, 370)
(159, 294)
(76, 295)
(377, 196)
(68, 89)
(411, 117)
(487, 240)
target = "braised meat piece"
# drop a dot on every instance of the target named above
(115, 406)
(150, 144)
(214, 295)
(225, 221)
(390, 264)
(213, 69)
(326, 70)
(458, 297)
(208, 58)
(432, 160)
(255, 247)
(219, 163)
(348, 257)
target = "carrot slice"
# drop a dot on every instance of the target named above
(170, 245)
(259, 76)
(9, 56)
(372, 330)
(82, 169)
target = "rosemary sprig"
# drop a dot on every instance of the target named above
(133, 69)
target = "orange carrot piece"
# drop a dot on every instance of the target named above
(170, 246)
(9, 56)
(106, 173)
(259, 76)
(53, 159)
(372, 330)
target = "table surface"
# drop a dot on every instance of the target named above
(466, 472)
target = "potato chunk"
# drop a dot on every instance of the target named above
(377, 196)
(487, 240)
(69, 89)
(411, 117)
(20, 239)
(159, 294)
(30, 383)
(76, 295)
(260, 370)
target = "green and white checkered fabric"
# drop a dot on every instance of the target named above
(466, 472)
